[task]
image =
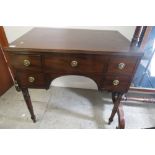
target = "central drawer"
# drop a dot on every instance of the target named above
(70, 63)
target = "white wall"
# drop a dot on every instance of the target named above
(14, 32)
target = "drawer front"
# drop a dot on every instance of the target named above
(116, 83)
(122, 65)
(76, 63)
(26, 61)
(31, 79)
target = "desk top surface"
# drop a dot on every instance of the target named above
(72, 39)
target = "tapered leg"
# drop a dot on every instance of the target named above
(28, 103)
(117, 108)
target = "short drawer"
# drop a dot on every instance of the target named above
(76, 63)
(31, 79)
(26, 61)
(116, 83)
(122, 65)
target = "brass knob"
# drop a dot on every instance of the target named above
(116, 82)
(74, 63)
(31, 79)
(121, 65)
(27, 63)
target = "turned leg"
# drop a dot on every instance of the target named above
(28, 103)
(116, 97)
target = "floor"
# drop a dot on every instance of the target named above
(68, 108)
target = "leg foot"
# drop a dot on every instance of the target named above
(110, 121)
(34, 119)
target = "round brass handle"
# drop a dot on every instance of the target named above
(121, 65)
(27, 63)
(74, 63)
(31, 79)
(116, 82)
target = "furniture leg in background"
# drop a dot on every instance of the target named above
(121, 119)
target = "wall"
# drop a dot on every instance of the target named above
(13, 33)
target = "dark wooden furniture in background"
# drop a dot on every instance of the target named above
(5, 77)
(3, 39)
(44, 54)
(141, 39)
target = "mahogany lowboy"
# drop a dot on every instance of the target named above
(44, 54)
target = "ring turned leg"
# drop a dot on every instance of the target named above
(117, 108)
(28, 103)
